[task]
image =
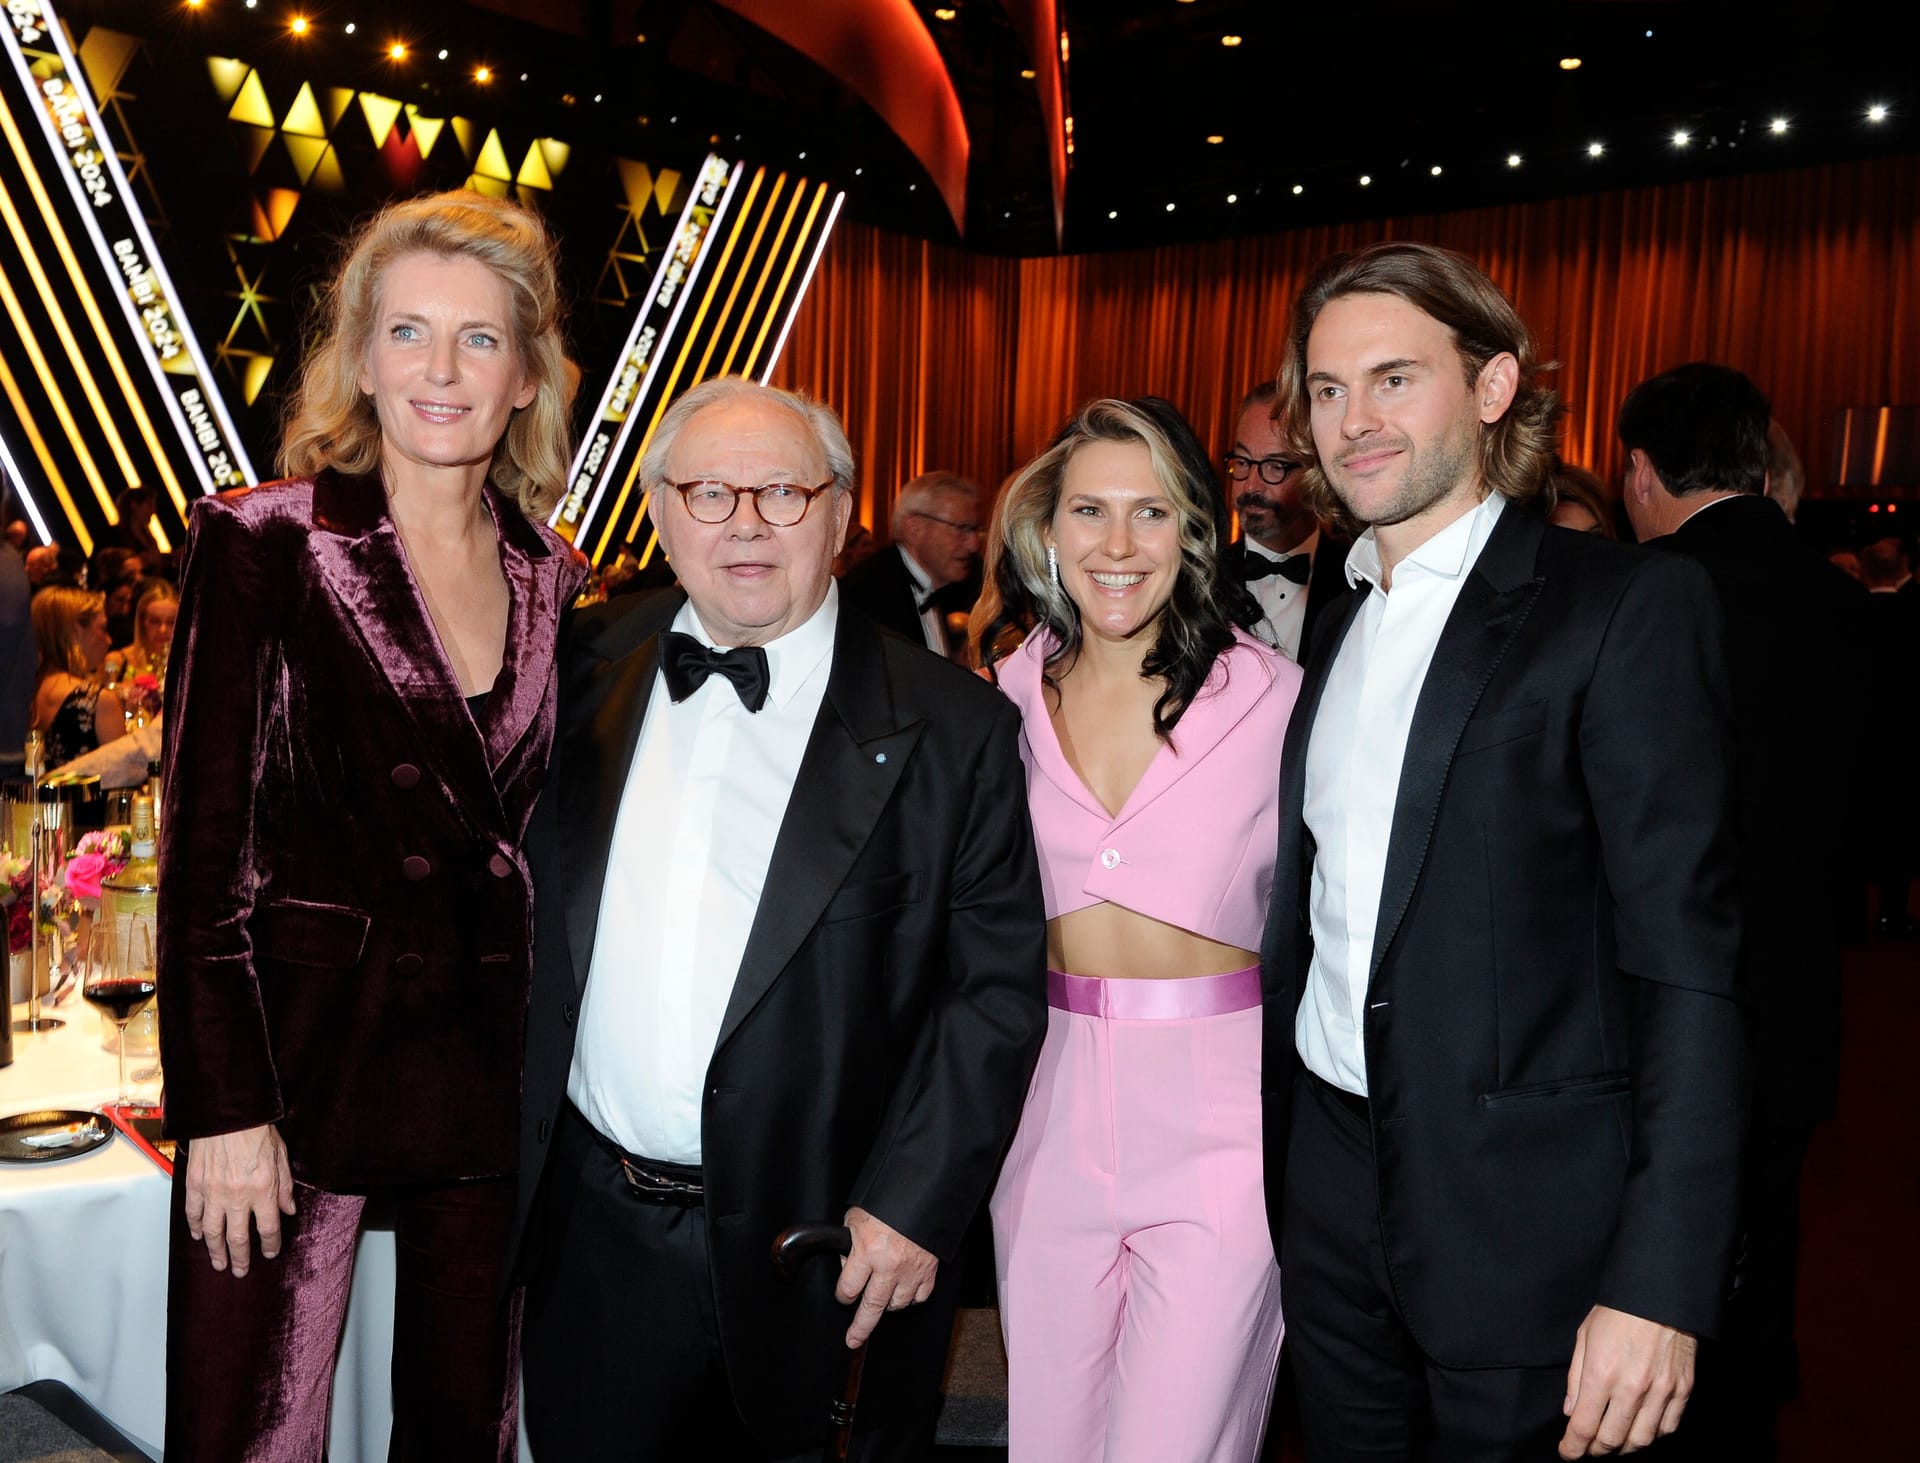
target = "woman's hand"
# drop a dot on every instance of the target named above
(233, 1178)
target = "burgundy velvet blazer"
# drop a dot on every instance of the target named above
(345, 912)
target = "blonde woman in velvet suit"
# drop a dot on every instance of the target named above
(1138, 1286)
(359, 717)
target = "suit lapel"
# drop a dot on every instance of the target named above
(361, 559)
(600, 732)
(1494, 602)
(854, 761)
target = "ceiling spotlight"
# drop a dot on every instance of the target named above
(351, 27)
(913, 187)
(1026, 73)
(1649, 35)
(1230, 40)
(945, 12)
(597, 96)
(1298, 190)
(1513, 159)
(195, 4)
(397, 52)
(858, 171)
(1569, 63)
(252, 4)
(1594, 149)
(1435, 170)
(1113, 213)
(1877, 112)
(298, 25)
(483, 74)
(1682, 138)
(1215, 138)
(803, 156)
(1366, 180)
(1777, 126)
(443, 53)
(640, 40)
(1233, 198)
(1169, 208)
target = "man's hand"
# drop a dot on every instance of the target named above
(234, 1178)
(1628, 1384)
(885, 1272)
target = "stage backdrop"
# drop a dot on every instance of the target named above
(1809, 281)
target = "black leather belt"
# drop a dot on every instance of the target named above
(649, 1180)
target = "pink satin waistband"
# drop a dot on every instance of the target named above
(1154, 1000)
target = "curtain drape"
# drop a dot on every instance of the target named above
(1808, 280)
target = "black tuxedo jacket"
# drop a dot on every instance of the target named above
(883, 1026)
(1326, 584)
(1793, 643)
(1554, 1055)
(880, 587)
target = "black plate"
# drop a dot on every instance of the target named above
(17, 1129)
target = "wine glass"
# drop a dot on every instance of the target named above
(111, 986)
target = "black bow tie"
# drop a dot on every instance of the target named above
(1295, 567)
(687, 663)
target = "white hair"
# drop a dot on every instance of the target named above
(818, 417)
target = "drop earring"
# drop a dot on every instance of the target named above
(1053, 564)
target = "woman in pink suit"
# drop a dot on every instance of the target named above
(359, 716)
(1138, 1286)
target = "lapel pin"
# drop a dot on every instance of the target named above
(880, 756)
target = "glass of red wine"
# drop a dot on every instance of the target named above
(110, 985)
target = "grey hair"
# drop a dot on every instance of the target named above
(818, 417)
(920, 494)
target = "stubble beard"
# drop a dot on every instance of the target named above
(1431, 477)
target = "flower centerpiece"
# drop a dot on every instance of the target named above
(143, 693)
(97, 857)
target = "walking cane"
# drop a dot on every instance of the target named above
(792, 1248)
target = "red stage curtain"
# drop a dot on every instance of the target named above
(1808, 280)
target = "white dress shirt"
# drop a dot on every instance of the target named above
(932, 623)
(704, 800)
(1354, 753)
(1282, 602)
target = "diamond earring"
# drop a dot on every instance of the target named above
(1053, 563)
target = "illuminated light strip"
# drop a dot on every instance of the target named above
(19, 483)
(688, 336)
(766, 270)
(600, 449)
(219, 459)
(31, 344)
(786, 277)
(56, 313)
(793, 309)
(91, 305)
(739, 279)
(40, 450)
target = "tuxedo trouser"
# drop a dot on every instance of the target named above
(1365, 1391)
(623, 1356)
(1138, 1289)
(250, 1360)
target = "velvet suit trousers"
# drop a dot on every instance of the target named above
(1138, 1288)
(250, 1361)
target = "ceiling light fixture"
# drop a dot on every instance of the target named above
(1230, 40)
(397, 52)
(1233, 198)
(1594, 149)
(1169, 208)
(1682, 138)
(1435, 170)
(298, 25)
(1569, 63)
(1513, 159)
(1215, 138)
(945, 12)
(1877, 112)
(351, 27)
(1026, 73)
(1113, 213)
(1298, 189)
(1366, 180)
(483, 74)
(443, 53)
(1777, 126)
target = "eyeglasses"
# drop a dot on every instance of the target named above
(780, 505)
(965, 530)
(1273, 470)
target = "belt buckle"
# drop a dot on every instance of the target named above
(654, 1187)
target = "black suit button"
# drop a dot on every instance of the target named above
(414, 867)
(536, 778)
(405, 775)
(540, 1133)
(408, 964)
(567, 1013)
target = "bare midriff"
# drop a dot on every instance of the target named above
(1109, 940)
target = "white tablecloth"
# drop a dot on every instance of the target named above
(83, 1263)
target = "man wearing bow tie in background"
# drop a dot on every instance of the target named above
(1279, 553)
(910, 586)
(788, 966)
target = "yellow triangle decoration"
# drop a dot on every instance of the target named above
(464, 133)
(665, 186)
(306, 153)
(254, 142)
(303, 117)
(637, 180)
(339, 98)
(556, 153)
(327, 177)
(251, 105)
(426, 130)
(279, 206)
(492, 187)
(533, 171)
(228, 76)
(382, 113)
(258, 369)
(493, 159)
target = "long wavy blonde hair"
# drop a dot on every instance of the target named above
(331, 423)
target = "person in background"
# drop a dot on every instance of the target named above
(1696, 439)
(71, 709)
(936, 544)
(1847, 561)
(1786, 478)
(1138, 1288)
(1579, 500)
(152, 641)
(1285, 557)
(359, 715)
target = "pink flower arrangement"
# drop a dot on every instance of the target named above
(144, 691)
(96, 857)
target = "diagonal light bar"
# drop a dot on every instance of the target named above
(12, 470)
(786, 276)
(24, 415)
(30, 343)
(793, 305)
(766, 273)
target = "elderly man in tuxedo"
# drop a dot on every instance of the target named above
(789, 966)
(1504, 1059)
(1291, 565)
(910, 585)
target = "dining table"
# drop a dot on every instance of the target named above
(83, 1259)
